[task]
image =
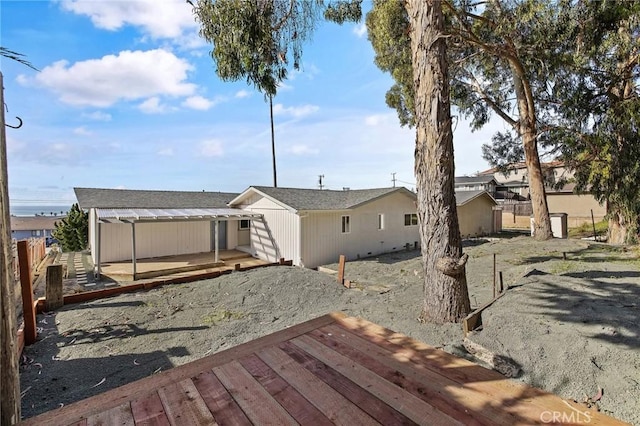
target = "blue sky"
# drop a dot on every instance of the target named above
(127, 97)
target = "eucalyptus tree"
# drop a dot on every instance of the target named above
(497, 51)
(446, 297)
(598, 127)
(257, 40)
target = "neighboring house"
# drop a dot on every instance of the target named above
(516, 179)
(476, 183)
(477, 214)
(313, 227)
(578, 207)
(23, 227)
(133, 224)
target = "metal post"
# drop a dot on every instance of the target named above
(133, 248)
(98, 251)
(216, 243)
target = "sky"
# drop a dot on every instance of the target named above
(126, 96)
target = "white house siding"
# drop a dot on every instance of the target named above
(154, 239)
(277, 234)
(323, 241)
(476, 217)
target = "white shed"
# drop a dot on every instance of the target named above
(313, 227)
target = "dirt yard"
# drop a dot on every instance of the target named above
(570, 326)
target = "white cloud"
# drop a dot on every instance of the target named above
(211, 148)
(82, 131)
(242, 94)
(152, 106)
(159, 19)
(200, 103)
(297, 112)
(379, 119)
(98, 116)
(166, 152)
(130, 75)
(360, 30)
(303, 150)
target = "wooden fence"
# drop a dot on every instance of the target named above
(35, 252)
(520, 208)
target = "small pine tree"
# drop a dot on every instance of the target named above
(73, 231)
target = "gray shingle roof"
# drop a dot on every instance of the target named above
(317, 199)
(474, 179)
(464, 196)
(29, 223)
(133, 198)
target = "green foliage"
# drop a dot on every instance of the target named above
(73, 231)
(598, 124)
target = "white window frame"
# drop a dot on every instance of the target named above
(244, 228)
(380, 221)
(346, 224)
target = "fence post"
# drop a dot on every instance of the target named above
(53, 290)
(28, 310)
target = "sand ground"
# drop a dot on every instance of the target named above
(570, 325)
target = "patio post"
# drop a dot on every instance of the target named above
(216, 242)
(133, 248)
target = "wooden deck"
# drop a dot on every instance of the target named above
(329, 370)
(185, 263)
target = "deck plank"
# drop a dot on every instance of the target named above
(148, 411)
(336, 407)
(184, 405)
(98, 403)
(120, 415)
(254, 400)
(224, 408)
(389, 386)
(367, 402)
(514, 398)
(300, 409)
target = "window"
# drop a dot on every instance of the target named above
(380, 221)
(410, 219)
(35, 233)
(346, 224)
(244, 224)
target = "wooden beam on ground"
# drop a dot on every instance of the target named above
(341, 269)
(474, 319)
(53, 288)
(27, 293)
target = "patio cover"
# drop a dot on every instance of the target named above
(150, 215)
(133, 216)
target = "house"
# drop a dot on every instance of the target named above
(24, 227)
(476, 183)
(564, 199)
(477, 213)
(313, 227)
(133, 224)
(578, 207)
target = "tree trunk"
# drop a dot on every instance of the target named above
(9, 378)
(527, 130)
(446, 298)
(273, 143)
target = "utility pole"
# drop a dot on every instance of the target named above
(10, 383)
(393, 179)
(320, 185)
